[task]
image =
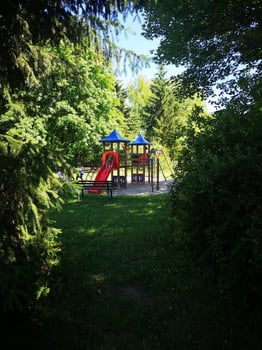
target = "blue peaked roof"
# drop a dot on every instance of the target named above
(114, 137)
(140, 140)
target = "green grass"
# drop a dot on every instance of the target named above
(112, 289)
(125, 282)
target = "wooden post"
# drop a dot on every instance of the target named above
(125, 150)
(118, 169)
(151, 165)
(157, 173)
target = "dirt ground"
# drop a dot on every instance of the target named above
(145, 189)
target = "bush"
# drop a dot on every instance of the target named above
(216, 201)
(28, 243)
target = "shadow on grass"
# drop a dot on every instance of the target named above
(125, 283)
(110, 290)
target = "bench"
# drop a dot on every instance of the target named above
(97, 186)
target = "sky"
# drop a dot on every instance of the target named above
(133, 40)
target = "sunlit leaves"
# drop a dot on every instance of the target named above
(138, 93)
(77, 101)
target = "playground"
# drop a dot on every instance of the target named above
(134, 167)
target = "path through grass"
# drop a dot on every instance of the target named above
(113, 287)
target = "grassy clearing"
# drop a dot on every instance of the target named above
(126, 283)
(113, 289)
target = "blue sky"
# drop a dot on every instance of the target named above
(133, 40)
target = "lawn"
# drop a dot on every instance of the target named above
(125, 282)
(113, 288)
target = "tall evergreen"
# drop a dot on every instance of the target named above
(155, 106)
(123, 107)
(165, 115)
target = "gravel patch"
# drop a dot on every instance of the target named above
(145, 189)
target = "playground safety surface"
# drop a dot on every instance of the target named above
(145, 189)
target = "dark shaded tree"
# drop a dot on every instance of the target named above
(215, 196)
(217, 42)
(216, 222)
(24, 24)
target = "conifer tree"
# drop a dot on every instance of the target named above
(165, 115)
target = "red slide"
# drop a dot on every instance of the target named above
(104, 171)
(110, 162)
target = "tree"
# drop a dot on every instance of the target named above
(165, 115)
(138, 93)
(56, 123)
(154, 108)
(25, 24)
(123, 107)
(216, 219)
(77, 99)
(214, 41)
(28, 242)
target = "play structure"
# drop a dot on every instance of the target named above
(140, 160)
(118, 144)
(123, 160)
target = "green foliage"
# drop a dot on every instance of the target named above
(165, 115)
(27, 24)
(62, 116)
(161, 101)
(60, 119)
(124, 108)
(217, 214)
(214, 41)
(138, 93)
(54, 104)
(216, 217)
(28, 243)
(76, 97)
